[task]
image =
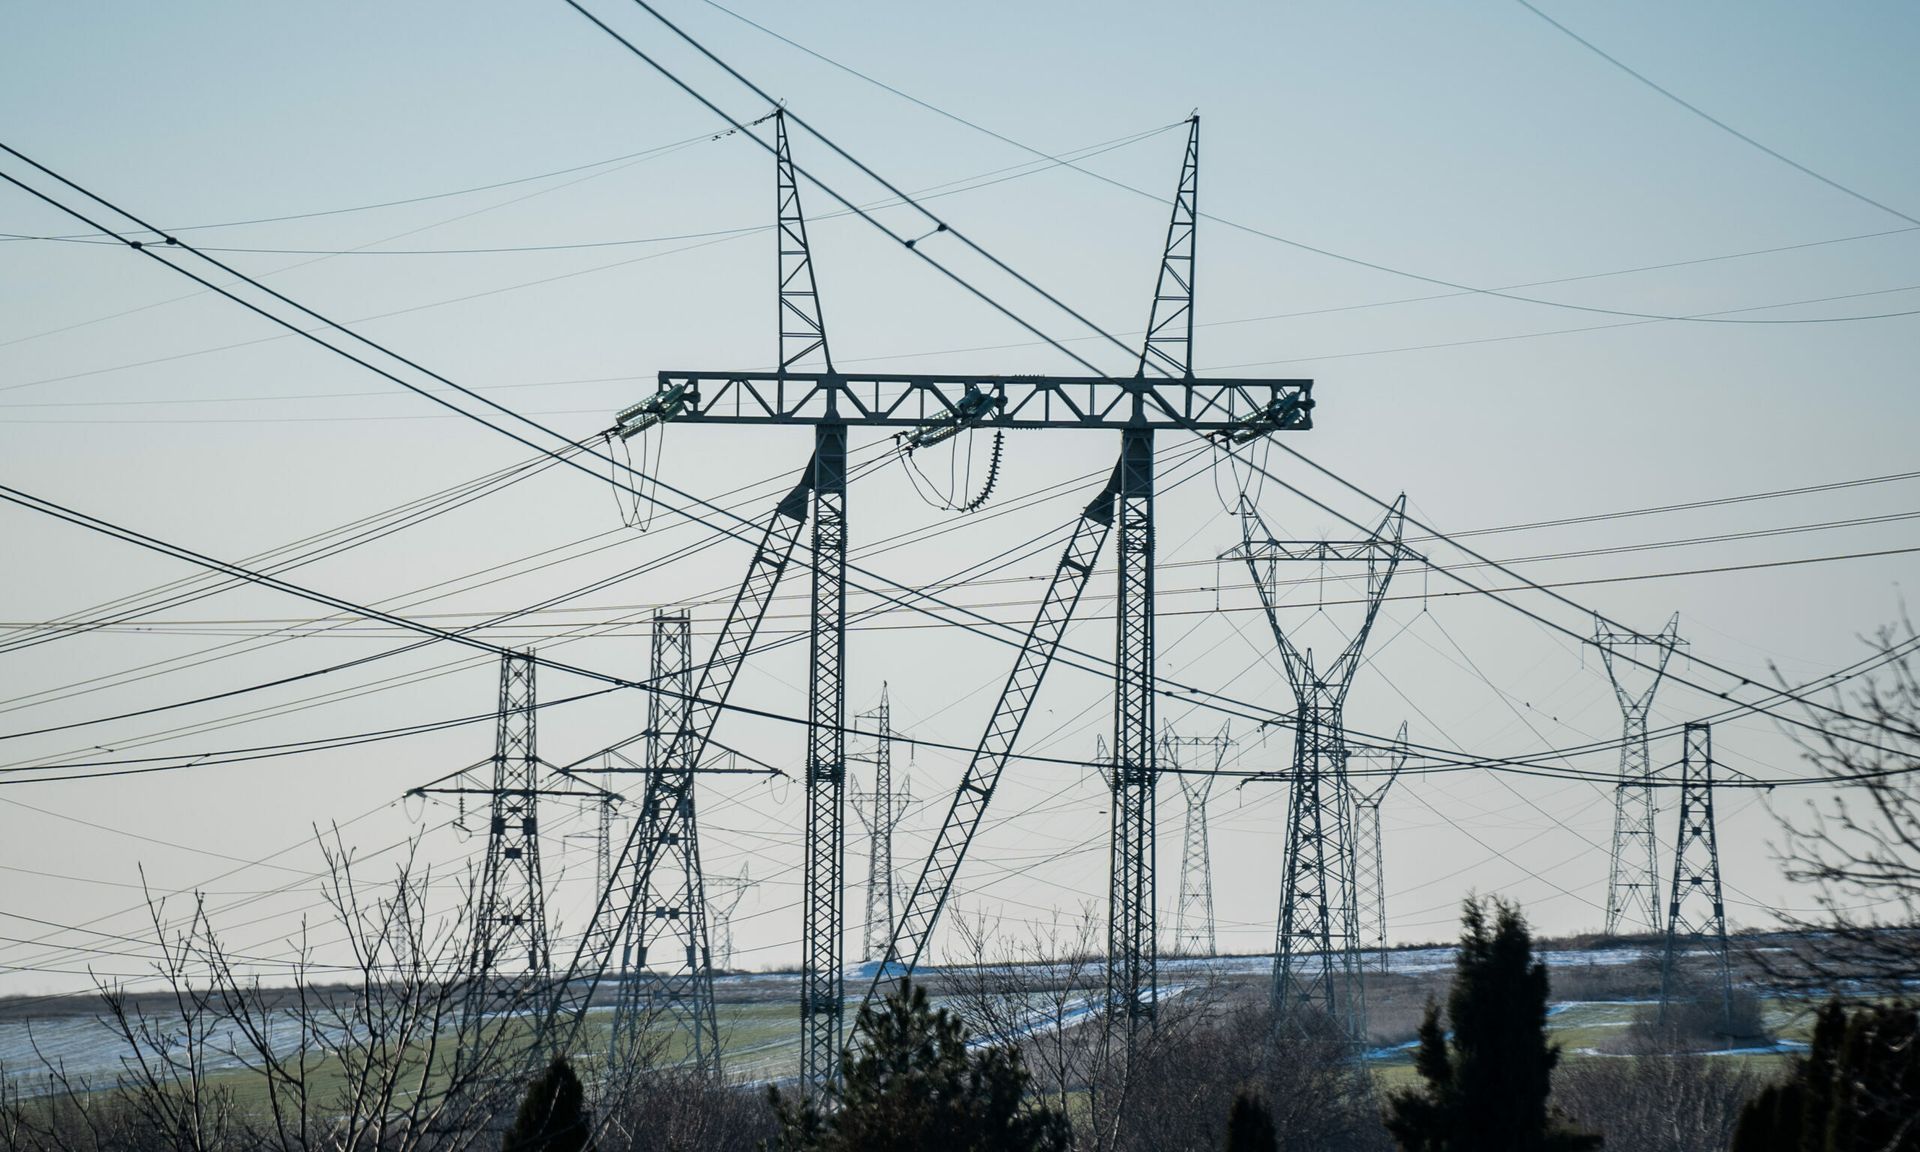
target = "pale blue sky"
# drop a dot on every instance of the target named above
(1469, 143)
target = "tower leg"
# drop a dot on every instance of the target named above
(822, 1008)
(1132, 949)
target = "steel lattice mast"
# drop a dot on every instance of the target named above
(803, 332)
(1193, 929)
(928, 408)
(1369, 852)
(1633, 874)
(1697, 911)
(666, 971)
(509, 963)
(1316, 950)
(1133, 990)
(662, 808)
(880, 816)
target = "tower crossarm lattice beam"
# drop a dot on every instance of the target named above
(632, 873)
(927, 899)
(1225, 407)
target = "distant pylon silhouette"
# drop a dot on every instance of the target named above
(1633, 875)
(1369, 853)
(1697, 911)
(509, 959)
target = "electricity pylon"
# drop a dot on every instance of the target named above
(510, 963)
(930, 407)
(1369, 854)
(666, 970)
(1193, 930)
(880, 811)
(1316, 950)
(1633, 874)
(1697, 911)
(720, 914)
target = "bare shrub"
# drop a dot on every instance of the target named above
(1682, 1102)
(1861, 850)
(675, 1111)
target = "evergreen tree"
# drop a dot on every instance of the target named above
(1250, 1125)
(1856, 1090)
(915, 1086)
(1486, 1089)
(553, 1116)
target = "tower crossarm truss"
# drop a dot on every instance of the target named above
(914, 400)
(1633, 873)
(1316, 951)
(928, 897)
(1696, 910)
(668, 797)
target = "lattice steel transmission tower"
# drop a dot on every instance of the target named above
(880, 811)
(1697, 911)
(666, 969)
(1193, 931)
(510, 963)
(929, 407)
(1316, 964)
(720, 910)
(1133, 958)
(1369, 852)
(1633, 874)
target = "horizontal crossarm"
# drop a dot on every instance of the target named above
(907, 400)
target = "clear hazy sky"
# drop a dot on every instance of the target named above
(1470, 143)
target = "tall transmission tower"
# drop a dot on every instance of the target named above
(880, 815)
(1133, 982)
(931, 407)
(1193, 931)
(1633, 874)
(510, 963)
(1696, 911)
(666, 970)
(1316, 951)
(720, 910)
(1369, 853)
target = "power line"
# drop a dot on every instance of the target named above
(1301, 245)
(1715, 120)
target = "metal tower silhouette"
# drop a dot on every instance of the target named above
(1696, 911)
(666, 973)
(1133, 948)
(1369, 855)
(1316, 950)
(1633, 876)
(882, 812)
(720, 914)
(1193, 931)
(510, 963)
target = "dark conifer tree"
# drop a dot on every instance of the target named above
(1486, 1088)
(915, 1085)
(1856, 1090)
(1250, 1125)
(553, 1116)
